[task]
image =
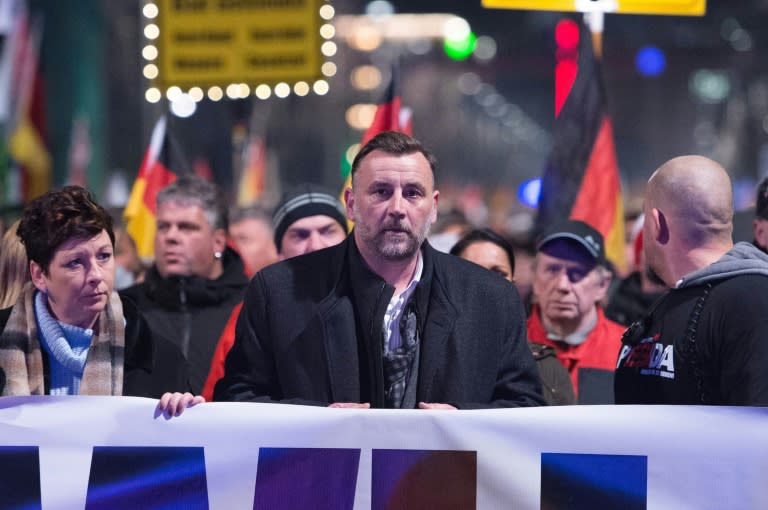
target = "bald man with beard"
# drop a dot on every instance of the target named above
(706, 340)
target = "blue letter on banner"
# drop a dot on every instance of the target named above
(20, 477)
(584, 481)
(147, 477)
(317, 478)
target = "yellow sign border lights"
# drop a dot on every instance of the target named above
(663, 7)
(249, 35)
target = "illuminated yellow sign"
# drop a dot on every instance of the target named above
(218, 42)
(670, 7)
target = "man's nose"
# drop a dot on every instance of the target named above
(314, 242)
(397, 204)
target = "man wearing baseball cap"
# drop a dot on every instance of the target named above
(569, 282)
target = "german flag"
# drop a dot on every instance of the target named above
(581, 179)
(155, 173)
(390, 115)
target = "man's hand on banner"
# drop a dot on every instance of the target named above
(350, 405)
(444, 407)
(173, 404)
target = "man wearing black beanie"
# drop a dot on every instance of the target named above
(306, 219)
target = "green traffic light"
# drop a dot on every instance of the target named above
(460, 49)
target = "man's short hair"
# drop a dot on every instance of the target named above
(396, 143)
(301, 202)
(250, 212)
(192, 190)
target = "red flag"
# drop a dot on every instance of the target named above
(390, 116)
(581, 179)
(154, 175)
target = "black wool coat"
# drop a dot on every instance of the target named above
(310, 332)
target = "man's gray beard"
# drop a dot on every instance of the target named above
(394, 251)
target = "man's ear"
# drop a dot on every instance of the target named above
(219, 239)
(660, 226)
(349, 204)
(38, 276)
(760, 232)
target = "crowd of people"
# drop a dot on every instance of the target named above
(292, 306)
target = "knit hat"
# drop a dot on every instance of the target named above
(579, 232)
(301, 202)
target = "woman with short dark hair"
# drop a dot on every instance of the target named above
(490, 250)
(69, 332)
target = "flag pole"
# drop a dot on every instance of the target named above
(595, 20)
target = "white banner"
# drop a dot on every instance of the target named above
(107, 452)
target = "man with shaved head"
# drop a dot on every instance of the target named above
(706, 340)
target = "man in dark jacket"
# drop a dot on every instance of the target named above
(196, 282)
(383, 319)
(706, 340)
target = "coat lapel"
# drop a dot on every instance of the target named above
(336, 321)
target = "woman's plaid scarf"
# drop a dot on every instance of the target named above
(22, 361)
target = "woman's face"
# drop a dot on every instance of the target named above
(80, 279)
(490, 256)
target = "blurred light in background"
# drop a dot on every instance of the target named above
(379, 8)
(301, 88)
(173, 93)
(419, 46)
(327, 31)
(328, 69)
(151, 31)
(183, 106)
(149, 52)
(459, 41)
(485, 48)
(529, 191)
(150, 11)
(360, 116)
(196, 93)
(650, 61)
(327, 12)
(328, 48)
(263, 91)
(469, 84)
(365, 77)
(153, 95)
(320, 87)
(150, 71)
(710, 86)
(567, 34)
(282, 90)
(215, 93)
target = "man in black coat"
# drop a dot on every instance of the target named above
(382, 319)
(196, 282)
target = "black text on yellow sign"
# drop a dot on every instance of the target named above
(218, 42)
